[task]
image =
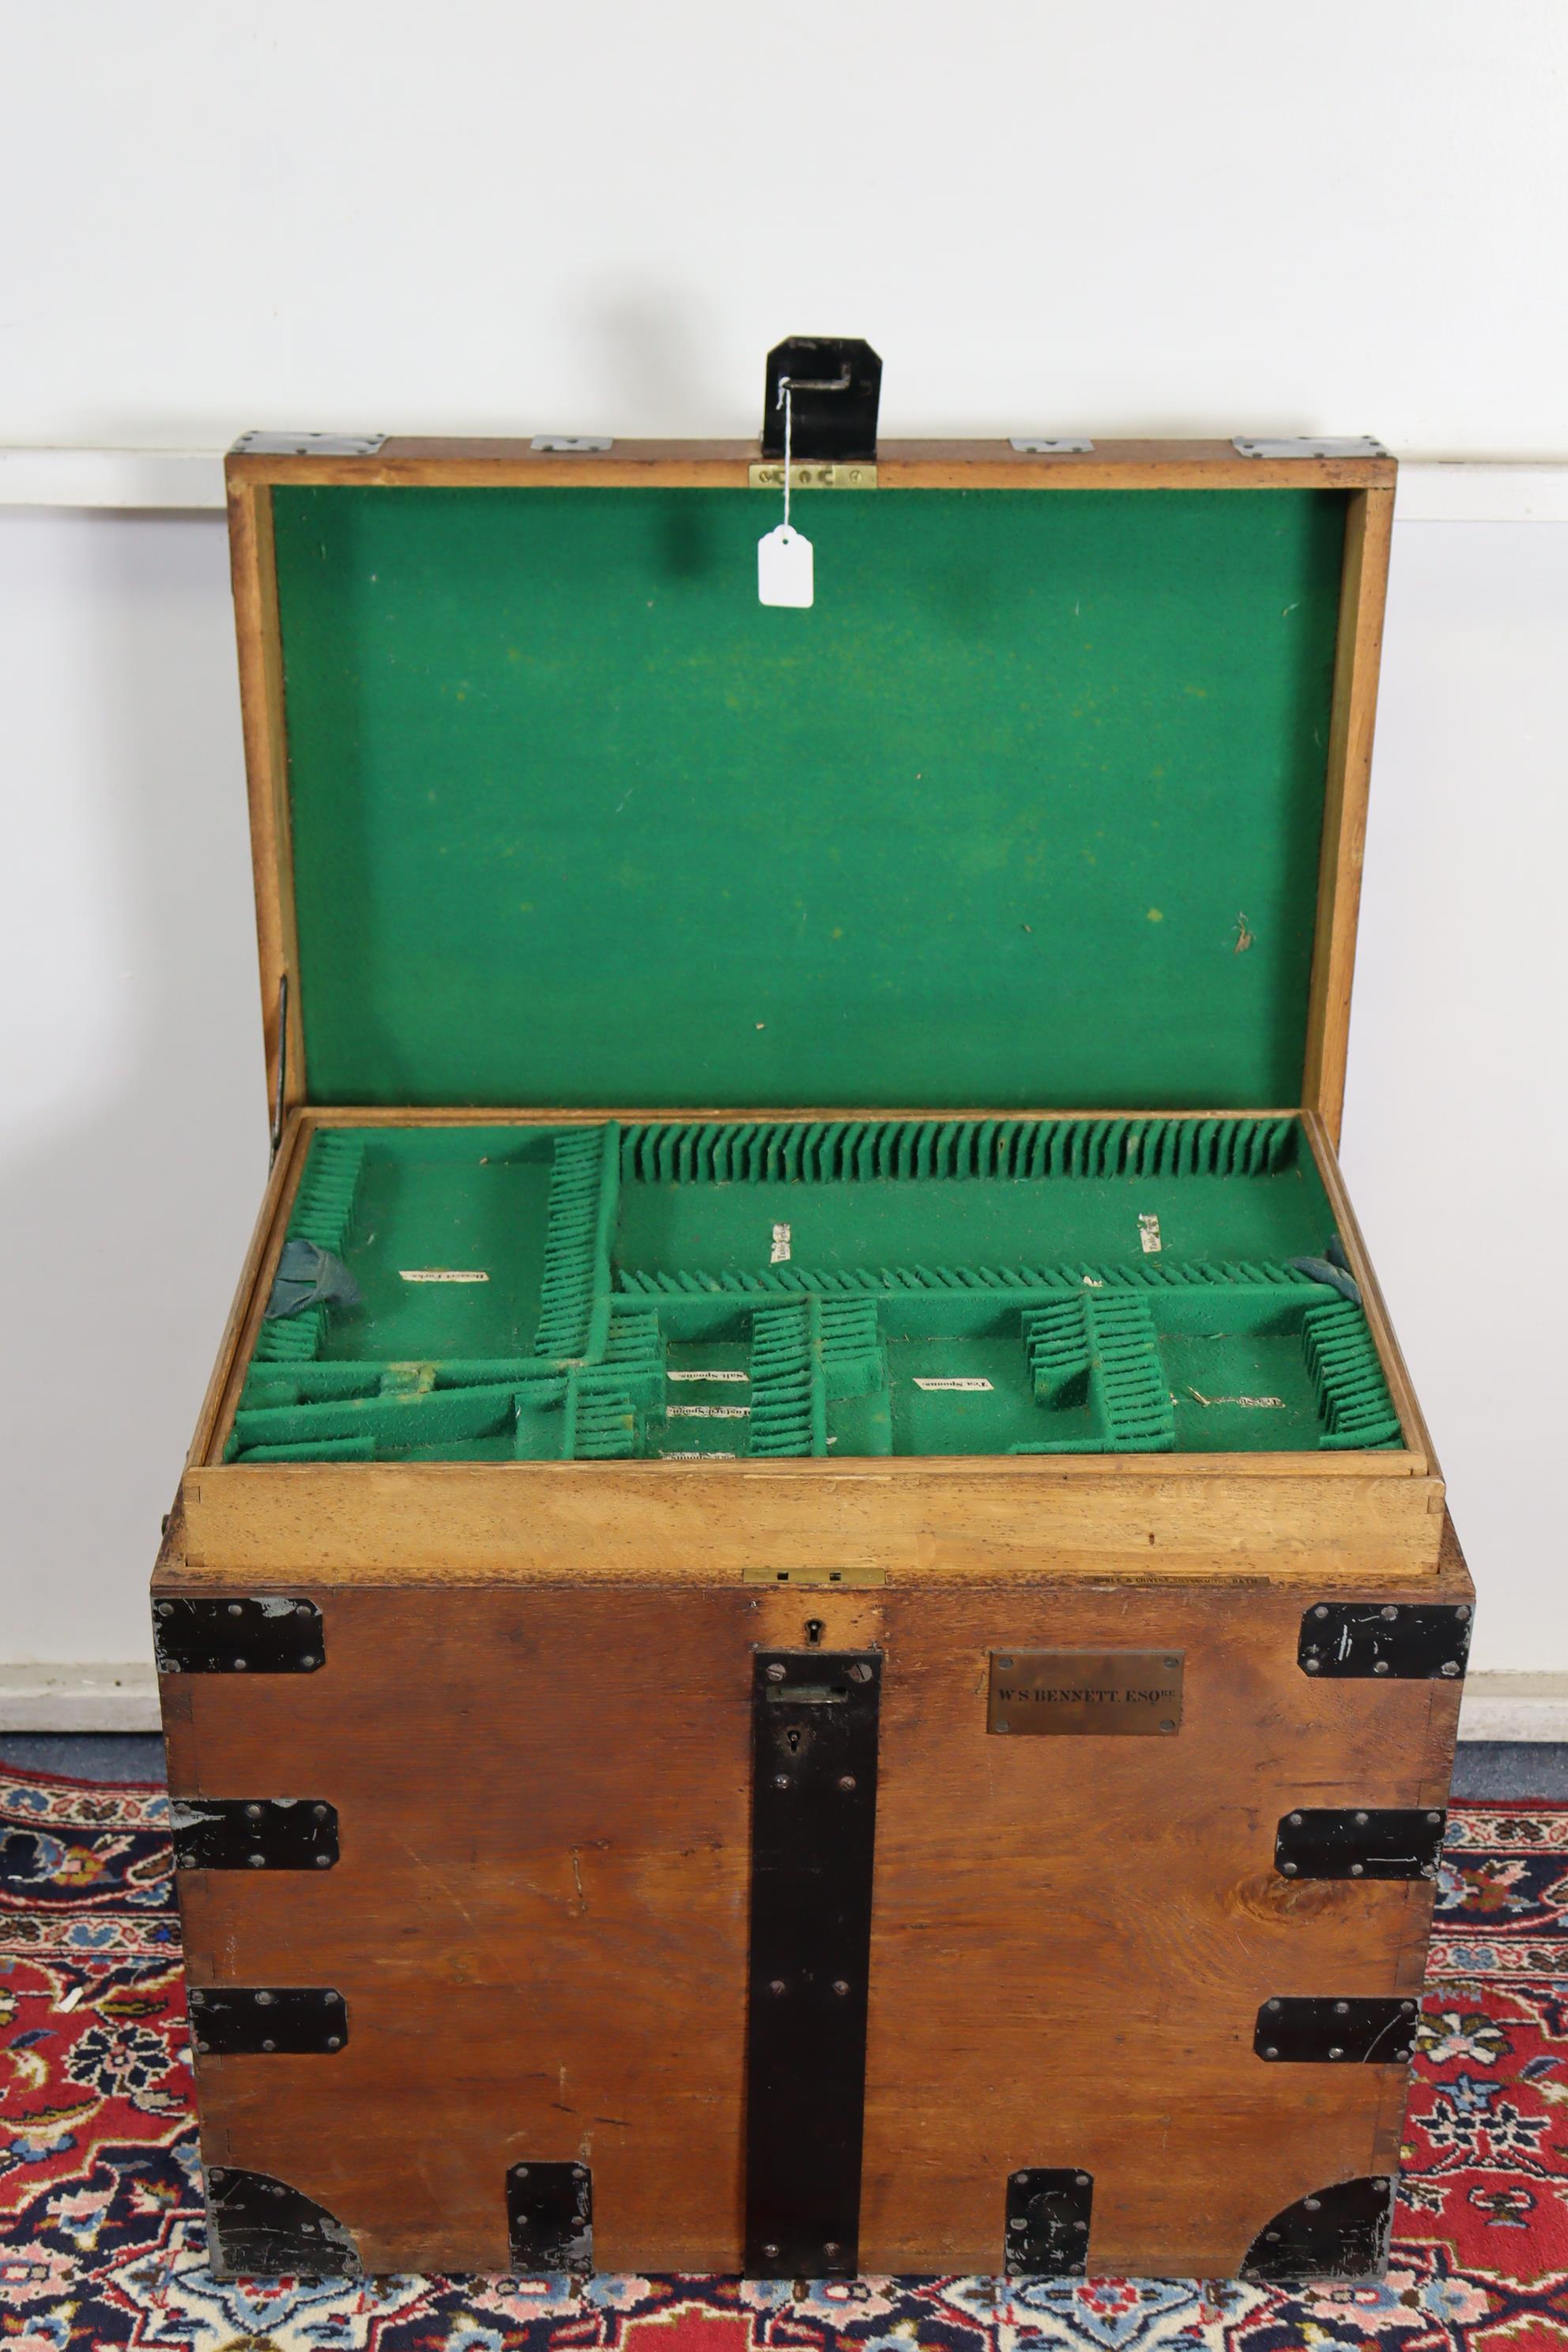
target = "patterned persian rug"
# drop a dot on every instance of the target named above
(103, 2243)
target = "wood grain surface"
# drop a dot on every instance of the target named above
(539, 1918)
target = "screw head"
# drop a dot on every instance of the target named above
(839, 1987)
(1287, 1869)
(204, 2047)
(579, 2172)
(1021, 2180)
(771, 2253)
(319, 1812)
(1336, 2053)
(846, 1781)
(1271, 2005)
(1380, 1666)
(1004, 1727)
(1271, 2053)
(1003, 1662)
(1312, 1666)
(239, 1666)
(831, 2248)
(519, 2172)
(781, 1779)
(1433, 1819)
(859, 1672)
(1081, 2227)
(1449, 1666)
(1017, 2228)
(1341, 2009)
(1462, 1613)
(1081, 2178)
(1391, 1612)
(776, 1674)
(1358, 1870)
(305, 1607)
(1295, 1821)
(235, 1610)
(1321, 1609)
(253, 1812)
(1173, 1663)
(1167, 1727)
(257, 1861)
(323, 1861)
(777, 1987)
(165, 1608)
(269, 2045)
(1361, 1820)
(1313, 2204)
(1408, 2007)
(334, 2041)
(266, 2000)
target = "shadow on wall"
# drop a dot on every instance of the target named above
(132, 1117)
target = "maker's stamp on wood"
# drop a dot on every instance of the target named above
(1108, 1692)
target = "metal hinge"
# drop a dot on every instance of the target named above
(1313, 2031)
(243, 2020)
(572, 445)
(1049, 2214)
(1370, 1842)
(549, 2219)
(1310, 445)
(308, 444)
(253, 1833)
(1351, 1641)
(1029, 445)
(262, 1635)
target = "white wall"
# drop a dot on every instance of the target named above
(1223, 217)
(1347, 217)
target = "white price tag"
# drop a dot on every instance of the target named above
(783, 567)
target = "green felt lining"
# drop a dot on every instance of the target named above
(603, 1293)
(1025, 809)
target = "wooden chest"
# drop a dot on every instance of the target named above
(810, 1626)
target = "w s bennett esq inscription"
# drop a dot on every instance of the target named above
(1108, 1691)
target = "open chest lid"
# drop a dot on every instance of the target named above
(1048, 801)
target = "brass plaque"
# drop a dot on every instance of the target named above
(1111, 1692)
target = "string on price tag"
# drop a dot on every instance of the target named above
(784, 555)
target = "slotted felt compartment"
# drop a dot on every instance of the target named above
(778, 1289)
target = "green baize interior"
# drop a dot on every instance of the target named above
(774, 1289)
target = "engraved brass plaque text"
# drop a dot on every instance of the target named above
(1108, 1693)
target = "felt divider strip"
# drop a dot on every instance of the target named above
(323, 1207)
(585, 1179)
(791, 1280)
(833, 1151)
(1352, 1396)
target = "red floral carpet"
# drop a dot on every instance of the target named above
(103, 2243)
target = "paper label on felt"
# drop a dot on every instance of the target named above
(780, 1248)
(1149, 1234)
(951, 1384)
(707, 1376)
(707, 1412)
(441, 1274)
(784, 567)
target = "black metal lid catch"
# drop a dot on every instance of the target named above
(834, 386)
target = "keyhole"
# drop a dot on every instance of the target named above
(813, 1632)
(792, 1740)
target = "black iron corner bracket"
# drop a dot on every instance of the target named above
(1339, 2232)
(1404, 1641)
(260, 2228)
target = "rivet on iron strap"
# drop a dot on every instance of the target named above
(814, 1819)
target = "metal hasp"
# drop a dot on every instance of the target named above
(253, 1833)
(1049, 2214)
(1351, 1641)
(1376, 1842)
(240, 2020)
(835, 388)
(264, 1634)
(1311, 445)
(549, 2219)
(1339, 2232)
(1325, 2031)
(308, 444)
(260, 2228)
(572, 445)
(814, 1823)
(1033, 445)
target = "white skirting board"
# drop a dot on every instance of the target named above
(125, 1698)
